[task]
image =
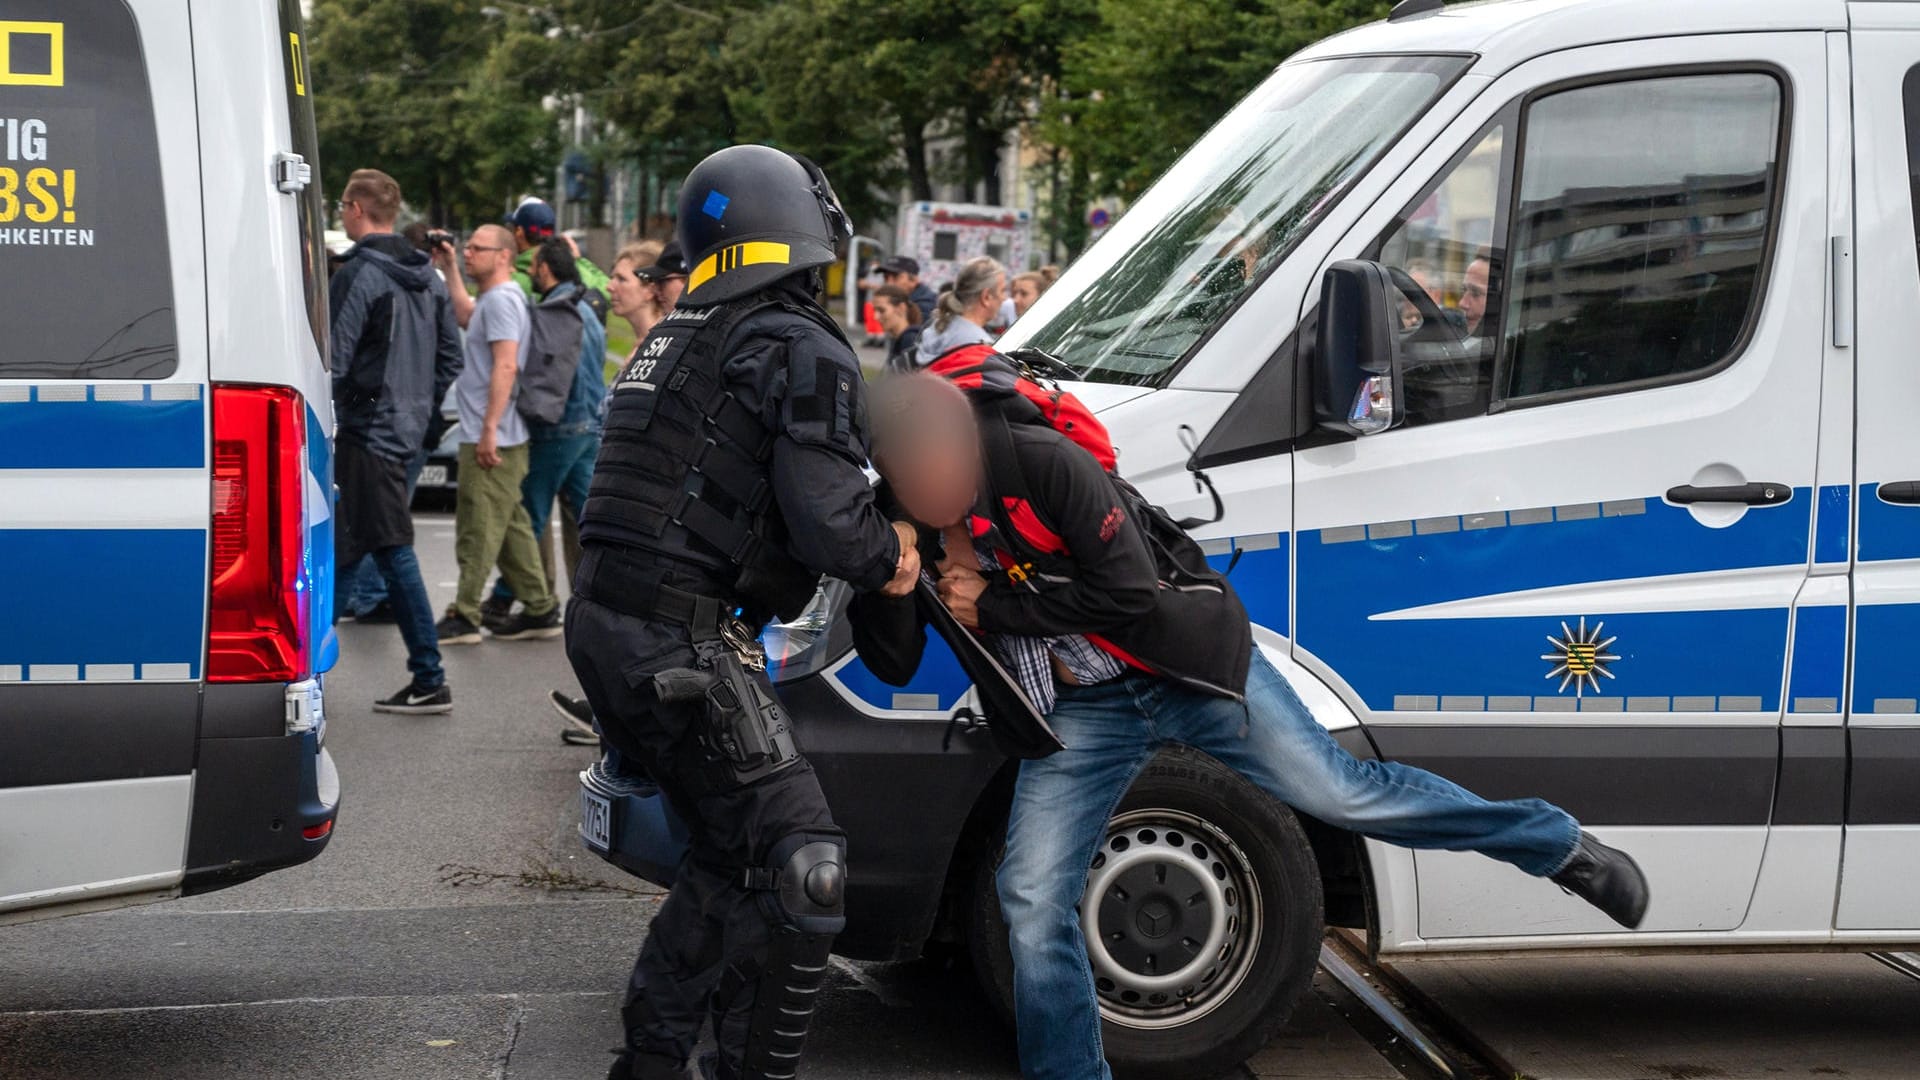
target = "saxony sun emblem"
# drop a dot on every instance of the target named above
(1580, 657)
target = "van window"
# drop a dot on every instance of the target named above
(1910, 100)
(1640, 230)
(306, 143)
(1228, 212)
(1450, 241)
(83, 224)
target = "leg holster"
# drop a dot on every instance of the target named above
(745, 735)
(803, 886)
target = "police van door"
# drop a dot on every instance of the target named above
(1882, 846)
(1569, 574)
(104, 488)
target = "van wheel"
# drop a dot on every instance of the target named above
(1202, 917)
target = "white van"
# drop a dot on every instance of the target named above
(1555, 361)
(166, 555)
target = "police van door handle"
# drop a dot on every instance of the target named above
(1750, 494)
(1901, 493)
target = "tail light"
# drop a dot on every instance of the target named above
(257, 618)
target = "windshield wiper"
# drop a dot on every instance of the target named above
(1046, 363)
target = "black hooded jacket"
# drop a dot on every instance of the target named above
(1101, 563)
(396, 346)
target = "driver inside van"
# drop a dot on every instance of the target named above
(1123, 665)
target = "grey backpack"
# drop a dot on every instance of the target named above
(553, 357)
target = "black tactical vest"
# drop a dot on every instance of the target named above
(684, 468)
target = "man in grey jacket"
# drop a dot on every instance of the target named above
(396, 349)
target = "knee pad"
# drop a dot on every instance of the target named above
(806, 880)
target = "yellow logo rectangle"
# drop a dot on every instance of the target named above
(56, 36)
(299, 65)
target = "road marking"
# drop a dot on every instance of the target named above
(122, 1010)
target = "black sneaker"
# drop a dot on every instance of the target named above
(523, 626)
(416, 701)
(579, 717)
(494, 611)
(456, 630)
(381, 612)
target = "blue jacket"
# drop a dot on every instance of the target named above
(586, 404)
(396, 346)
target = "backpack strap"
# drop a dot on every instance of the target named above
(1007, 484)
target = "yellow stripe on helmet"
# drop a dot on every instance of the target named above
(751, 253)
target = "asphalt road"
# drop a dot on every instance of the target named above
(455, 929)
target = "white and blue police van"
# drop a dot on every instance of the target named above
(165, 545)
(1555, 364)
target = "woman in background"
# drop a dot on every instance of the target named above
(899, 319)
(963, 313)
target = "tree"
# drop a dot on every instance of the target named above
(1158, 73)
(430, 92)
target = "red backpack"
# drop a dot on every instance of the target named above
(985, 374)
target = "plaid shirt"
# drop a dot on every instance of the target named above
(1030, 660)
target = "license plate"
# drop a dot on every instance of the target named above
(596, 821)
(433, 476)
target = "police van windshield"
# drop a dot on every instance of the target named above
(1227, 212)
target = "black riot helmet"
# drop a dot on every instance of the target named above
(751, 215)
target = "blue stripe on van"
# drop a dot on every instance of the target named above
(940, 677)
(1742, 653)
(1831, 524)
(1819, 658)
(102, 597)
(321, 568)
(45, 432)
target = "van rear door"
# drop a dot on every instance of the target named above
(104, 471)
(1882, 845)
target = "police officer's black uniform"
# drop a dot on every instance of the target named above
(729, 479)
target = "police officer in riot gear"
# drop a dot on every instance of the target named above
(729, 480)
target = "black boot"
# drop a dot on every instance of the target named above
(1607, 878)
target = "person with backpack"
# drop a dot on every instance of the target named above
(490, 524)
(562, 388)
(1111, 620)
(395, 351)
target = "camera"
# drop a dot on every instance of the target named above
(437, 237)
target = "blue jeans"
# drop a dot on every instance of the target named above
(1061, 805)
(364, 587)
(558, 466)
(413, 611)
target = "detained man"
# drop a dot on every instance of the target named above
(1122, 667)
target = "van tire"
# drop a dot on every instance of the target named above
(1270, 953)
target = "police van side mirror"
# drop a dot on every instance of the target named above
(1357, 366)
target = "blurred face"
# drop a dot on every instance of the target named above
(627, 295)
(1025, 292)
(936, 482)
(892, 316)
(1473, 295)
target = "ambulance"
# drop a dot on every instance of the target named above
(166, 556)
(1556, 364)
